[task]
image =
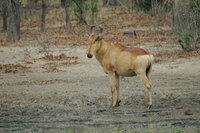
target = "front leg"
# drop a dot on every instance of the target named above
(112, 87)
(113, 96)
(117, 85)
(114, 84)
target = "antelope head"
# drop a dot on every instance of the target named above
(94, 40)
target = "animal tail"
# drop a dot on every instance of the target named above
(149, 67)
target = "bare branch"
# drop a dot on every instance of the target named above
(122, 4)
(81, 11)
(181, 43)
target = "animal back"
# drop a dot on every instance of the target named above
(136, 51)
(133, 50)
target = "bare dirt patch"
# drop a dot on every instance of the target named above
(80, 94)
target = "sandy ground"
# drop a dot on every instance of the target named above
(35, 91)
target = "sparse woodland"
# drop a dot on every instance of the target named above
(19, 14)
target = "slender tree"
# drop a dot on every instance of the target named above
(14, 28)
(173, 16)
(110, 3)
(62, 3)
(92, 10)
(4, 6)
(154, 4)
(67, 5)
(43, 15)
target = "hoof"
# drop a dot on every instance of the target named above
(149, 106)
(111, 107)
(118, 103)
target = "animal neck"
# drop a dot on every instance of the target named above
(103, 49)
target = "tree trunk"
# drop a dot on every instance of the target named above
(110, 3)
(14, 28)
(104, 2)
(92, 9)
(197, 36)
(173, 16)
(153, 7)
(43, 15)
(67, 4)
(132, 4)
(184, 23)
(62, 3)
(5, 14)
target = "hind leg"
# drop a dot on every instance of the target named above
(147, 83)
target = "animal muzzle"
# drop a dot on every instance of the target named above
(89, 55)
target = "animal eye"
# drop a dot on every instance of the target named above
(96, 39)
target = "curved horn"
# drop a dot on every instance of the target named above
(101, 29)
(91, 28)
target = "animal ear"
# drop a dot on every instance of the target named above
(87, 34)
(100, 32)
(100, 36)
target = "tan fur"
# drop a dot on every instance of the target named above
(118, 60)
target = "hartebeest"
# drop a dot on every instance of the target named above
(118, 60)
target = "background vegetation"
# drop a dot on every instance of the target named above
(185, 15)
